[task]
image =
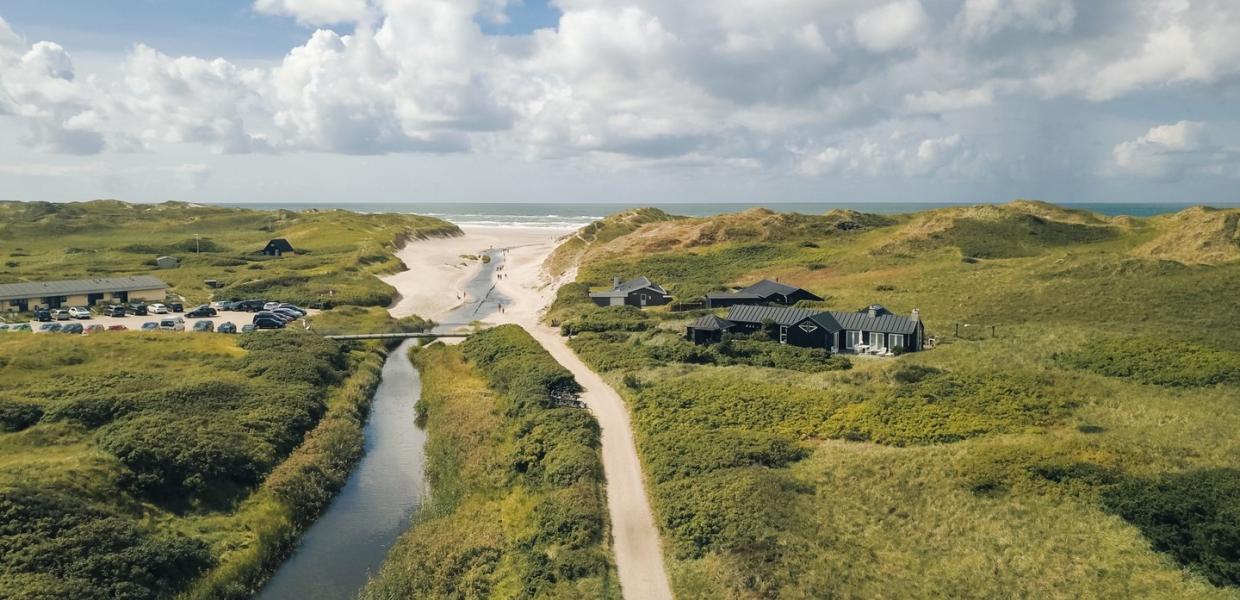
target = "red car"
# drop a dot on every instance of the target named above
(117, 328)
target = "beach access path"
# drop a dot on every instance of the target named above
(431, 287)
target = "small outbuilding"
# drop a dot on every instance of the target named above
(278, 247)
(634, 292)
(708, 329)
(763, 292)
(167, 262)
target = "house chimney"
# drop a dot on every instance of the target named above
(615, 282)
(916, 315)
(873, 311)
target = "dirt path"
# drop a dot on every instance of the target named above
(639, 554)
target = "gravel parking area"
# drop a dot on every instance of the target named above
(134, 323)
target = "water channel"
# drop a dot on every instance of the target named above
(350, 539)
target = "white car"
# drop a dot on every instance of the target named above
(80, 312)
(173, 324)
(271, 306)
(157, 309)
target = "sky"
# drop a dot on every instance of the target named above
(641, 101)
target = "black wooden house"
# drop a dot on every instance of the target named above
(278, 247)
(634, 292)
(763, 292)
(872, 330)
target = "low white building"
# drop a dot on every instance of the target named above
(15, 297)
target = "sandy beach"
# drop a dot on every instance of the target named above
(433, 286)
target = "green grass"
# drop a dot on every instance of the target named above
(1085, 449)
(518, 507)
(339, 252)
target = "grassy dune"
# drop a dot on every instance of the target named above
(518, 508)
(1086, 449)
(340, 252)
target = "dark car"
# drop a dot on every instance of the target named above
(138, 310)
(116, 310)
(248, 328)
(292, 307)
(268, 323)
(43, 315)
(51, 327)
(176, 307)
(201, 311)
(250, 305)
(290, 313)
(266, 314)
(204, 326)
(226, 327)
(75, 328)
(322, 305)
(150, 326)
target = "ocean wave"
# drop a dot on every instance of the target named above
(517, 223)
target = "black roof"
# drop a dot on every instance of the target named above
(711, 323)
(628, 287)
(733, 295)
(884, 322)
(762, 290)
(280, 244)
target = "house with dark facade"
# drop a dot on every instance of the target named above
(634, 292)
(278, 247)
(872, 330)
(763, 292)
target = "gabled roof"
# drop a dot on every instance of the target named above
(712, 323)
(280, 244)
(628, 287)
(766, 287)
(885, 322)
(77, 287)
(733, 295)
(781, 315)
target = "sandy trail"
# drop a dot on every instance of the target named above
(430, 288)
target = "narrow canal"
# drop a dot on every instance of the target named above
(351, 538)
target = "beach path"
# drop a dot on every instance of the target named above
(430, 289)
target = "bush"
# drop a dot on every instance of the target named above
(1158, 362)
(16, 416)
(1193, 516)
(677, 454)
(68, 549)
(734, 510)
(516, 365)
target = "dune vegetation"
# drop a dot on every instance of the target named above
(338, 252)
(518, 508)
(1071, 435)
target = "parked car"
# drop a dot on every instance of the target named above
(4, 327)
(271, 315)
(150, 326)
(42, 315)
(61, 314)
(176, 307)
(269, 323)
(50, 327)
(172, 324)
(229, 305)
(248, 328)
(271, 305)
(201, 311)
(158, 309)
(80, 312)
(204, 326)
(73, 328)
(250, 305)
(322, 305)
(138, 309)
(116, 310)
(288, 312)
(94, 328)
(19, 327)
(117, 328)
(226, 327)
(293, 307)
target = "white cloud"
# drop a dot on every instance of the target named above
(1171, 152)
(984, 19)
(900, 24)
(318, 12)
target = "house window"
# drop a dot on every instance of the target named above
(895, 340)
(876, 340)
(853, 338)
(783, 334)
(808, 327)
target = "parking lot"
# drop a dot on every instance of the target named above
(134, 323)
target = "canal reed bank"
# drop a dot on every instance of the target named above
(298, 490)
(517, 506)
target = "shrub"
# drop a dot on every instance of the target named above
(16, 416)
(1158, 362)
(1193, 516)
(516, 365)
(676, 454)
(734, 510)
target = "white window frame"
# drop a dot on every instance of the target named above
(783, 334)
(892, 340)
(882, 344)
(851, 339)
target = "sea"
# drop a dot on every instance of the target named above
(561, 215)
